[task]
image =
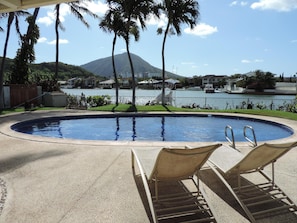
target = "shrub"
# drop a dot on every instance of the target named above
(95, 101)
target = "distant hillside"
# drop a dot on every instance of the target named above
(103, 66)
(66, 71)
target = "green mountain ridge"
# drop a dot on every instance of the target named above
(100, 68)
(66, 71)
(103, 67)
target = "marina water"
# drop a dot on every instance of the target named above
(188, 98)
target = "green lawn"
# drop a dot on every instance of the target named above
(160, 108)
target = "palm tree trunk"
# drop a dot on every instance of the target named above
(31, 25)
(132, 73)
(57, 41)
(114, 70)
(163, 65)
(9, 22)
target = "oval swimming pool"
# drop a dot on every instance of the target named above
(149, 127)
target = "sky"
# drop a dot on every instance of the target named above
(230, 37)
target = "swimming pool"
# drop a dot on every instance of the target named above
(152, 127)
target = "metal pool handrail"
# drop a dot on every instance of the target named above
(232, 142)
(254, 141)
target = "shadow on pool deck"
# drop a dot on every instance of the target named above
(19, 160)
(216, 186)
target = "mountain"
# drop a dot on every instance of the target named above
(103, 67)
(66, 71)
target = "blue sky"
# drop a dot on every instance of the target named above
(230, 37)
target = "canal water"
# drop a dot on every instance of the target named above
(188, 98)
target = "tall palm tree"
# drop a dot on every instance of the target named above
(26, 54)
(177, 12)
(113, 22)
(132, 12)
(12, 16)
(58, 25)
(77, 9)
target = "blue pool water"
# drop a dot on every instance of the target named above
(194, 128)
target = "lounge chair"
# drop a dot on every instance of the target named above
(174, 166)
(260, 199)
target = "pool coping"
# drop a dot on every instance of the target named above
(25, 116)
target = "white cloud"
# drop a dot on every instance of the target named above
(93, 6)
(242, 3)
(51, 16)
(97, 7)
(294, 41)
(42, 40)
(252, 61)
(187, 63)
(61, 41)
(201, 30)
(277, 5)
(233, 3)
(160, 22)
(45, 20)
(245, 61)
(64, 11)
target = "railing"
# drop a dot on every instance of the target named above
(232, 142)
(254, 141)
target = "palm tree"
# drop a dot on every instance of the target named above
(76, 9)
(12, 16)
(131, 13)
(26, 54)
(177, 12)
(57, 26)
(113, 22)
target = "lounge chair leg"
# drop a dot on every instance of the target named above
(156, 190)
(198, 179)
(272, 166)
(239, 182)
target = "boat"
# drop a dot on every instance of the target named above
(209, 88)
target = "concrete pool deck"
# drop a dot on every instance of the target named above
(63, 180)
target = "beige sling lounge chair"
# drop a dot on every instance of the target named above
(174, 166)
(260, 199)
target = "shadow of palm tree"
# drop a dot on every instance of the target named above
(114, 108)
(167, 109)
(18, 161)
(132, 108)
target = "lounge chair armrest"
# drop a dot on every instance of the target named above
(135, 159)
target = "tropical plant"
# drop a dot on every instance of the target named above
(177, 12)
(77, 9)
(260, 81)
(95, 101)
(113, 22)
(12, 16)
(132, 13)
(26, 54)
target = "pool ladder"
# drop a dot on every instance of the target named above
(232, 142)
(254, 141)
(245, 128)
